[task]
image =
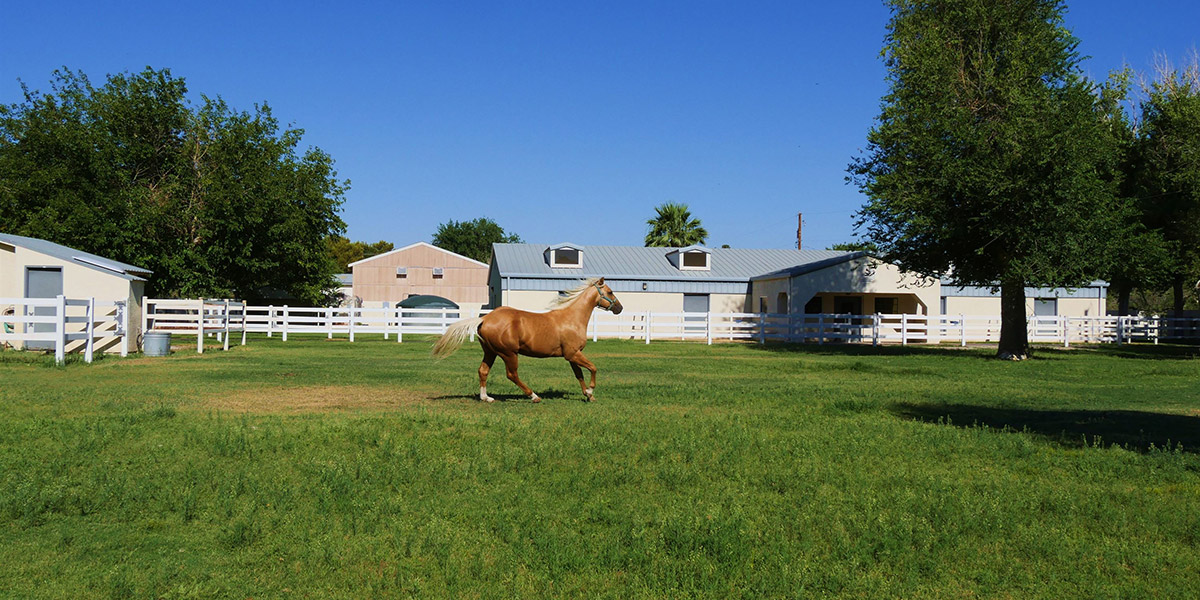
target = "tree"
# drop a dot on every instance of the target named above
(345, 251)
(472, 239)
(989, 162)
(1170, 169)
(674, 227)
(859, 246)
(216, 202)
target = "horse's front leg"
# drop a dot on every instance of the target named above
(510, 368)
(578, 361)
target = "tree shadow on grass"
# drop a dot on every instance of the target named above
(1135, 430)
(988, 351)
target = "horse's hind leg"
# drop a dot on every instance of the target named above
(485, 367)
(510, 368)
(583, 386)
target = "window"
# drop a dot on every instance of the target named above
(565, 257)
(781, 303)
(885, 306)
(439, 272)
(695, 259)
(401, 272)
(762, 304)
(1045, 307)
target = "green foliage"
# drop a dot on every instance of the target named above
(345, 251)
(990, 160)
(857, 246)
(674, 227)
(340, 470)
(472, 239)
(217, 202)
(1170, 170)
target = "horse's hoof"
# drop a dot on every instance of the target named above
(535, 398)
(488, 399)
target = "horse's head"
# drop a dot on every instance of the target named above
(606, 298)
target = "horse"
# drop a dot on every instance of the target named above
(507, 332)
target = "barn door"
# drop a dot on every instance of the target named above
(42, 282)
(697, 304)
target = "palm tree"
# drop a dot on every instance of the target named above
(674, 227)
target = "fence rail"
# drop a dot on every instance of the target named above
(55, 323)
(222, 317)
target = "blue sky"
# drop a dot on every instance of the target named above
(562, 121)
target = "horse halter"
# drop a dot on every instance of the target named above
(611, 301)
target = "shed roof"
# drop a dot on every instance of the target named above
(79, 257)
(410, 246)
(637, 262)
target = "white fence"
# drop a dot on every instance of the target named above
(65, 324)
(225, 317)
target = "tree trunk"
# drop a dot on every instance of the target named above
(1123, 293)
(1014, 333)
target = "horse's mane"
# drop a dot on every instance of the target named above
(573, 293)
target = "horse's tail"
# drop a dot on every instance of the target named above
(454, 337)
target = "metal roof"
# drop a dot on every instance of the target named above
(652, 264)
(79, 257)
(345, 279)
(1095, 289)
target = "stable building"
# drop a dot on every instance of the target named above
(35, 268)
(419, 269)
(647, 279)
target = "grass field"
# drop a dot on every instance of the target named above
(322, 468)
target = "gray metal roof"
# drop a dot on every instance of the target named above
(79, 257)
(651, 264)
(345, 279)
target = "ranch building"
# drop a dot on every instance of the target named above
(699, 279)
(34, 268)
(419, 269)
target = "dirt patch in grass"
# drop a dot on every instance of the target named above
(310, 399)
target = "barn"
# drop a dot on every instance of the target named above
(419, 269)
(673, 280)
(35, 268)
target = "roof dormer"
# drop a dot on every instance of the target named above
(691, 258)
(564, 256)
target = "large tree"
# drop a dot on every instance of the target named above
(990, 162)
(1170, 170)
(217, 202)
(472, 239)
(674, 227)
(345, 251)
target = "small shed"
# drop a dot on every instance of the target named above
(35, 268)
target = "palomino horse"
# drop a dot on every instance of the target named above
(507, 332)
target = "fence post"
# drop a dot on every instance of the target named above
(245, 314)
(821, 329)
(350, 321)
(962, 324)
(200, 328)
(648, 325)
(285, 322)
(592, 323)
(226, 332)
(762, 327)
(399, 324)
(386, 322)
(903, 329)
(123, 307)
(271, 320)
(60, 335)
(875, 329)
(1066, 325)
(90, 330)
(1120, 330)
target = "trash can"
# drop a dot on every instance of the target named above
(156, 343)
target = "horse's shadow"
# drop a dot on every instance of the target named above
(547, 395)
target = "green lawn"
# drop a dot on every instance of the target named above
(319, 468)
